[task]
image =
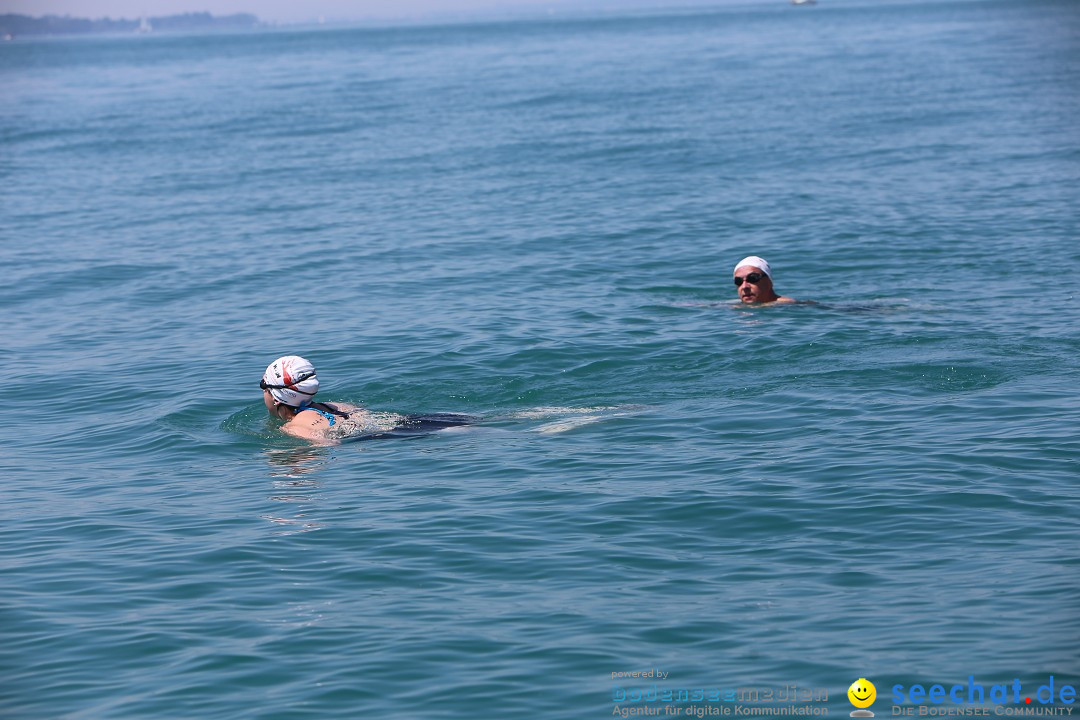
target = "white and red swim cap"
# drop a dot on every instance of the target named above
(291, 380)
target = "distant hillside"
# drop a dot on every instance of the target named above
(54, 25)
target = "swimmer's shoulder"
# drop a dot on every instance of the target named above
(310, 425)
(307, 425)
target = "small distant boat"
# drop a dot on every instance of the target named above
(8, 37)
(804, 2)
(145, 27)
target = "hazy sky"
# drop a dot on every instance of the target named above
(305, 10)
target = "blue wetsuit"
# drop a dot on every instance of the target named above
(328, 415)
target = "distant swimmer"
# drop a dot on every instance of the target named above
(289, 386)
(753, 282)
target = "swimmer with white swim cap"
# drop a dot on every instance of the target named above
(288, 386)
(753, 282)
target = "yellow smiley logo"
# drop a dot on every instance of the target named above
(862, 693)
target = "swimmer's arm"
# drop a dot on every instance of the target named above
(311, 428)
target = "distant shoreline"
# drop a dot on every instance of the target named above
(12, 25)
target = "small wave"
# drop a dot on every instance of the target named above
(560, 426)
(563, 419)
(250, 422)
(540, 413)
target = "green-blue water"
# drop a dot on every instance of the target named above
(536, 223)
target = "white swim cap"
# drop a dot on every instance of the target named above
(291, 380)
(755, 261)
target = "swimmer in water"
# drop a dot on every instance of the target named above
(289, 386)
(753, 282)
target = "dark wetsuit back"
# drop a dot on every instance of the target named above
(416, 425)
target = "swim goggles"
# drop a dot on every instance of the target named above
(752, 278)
(305, 376)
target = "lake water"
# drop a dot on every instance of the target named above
(536, 223)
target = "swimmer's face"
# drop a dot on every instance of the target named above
(268, 401)
(754, 292)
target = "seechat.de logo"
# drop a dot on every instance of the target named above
(862, 694)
